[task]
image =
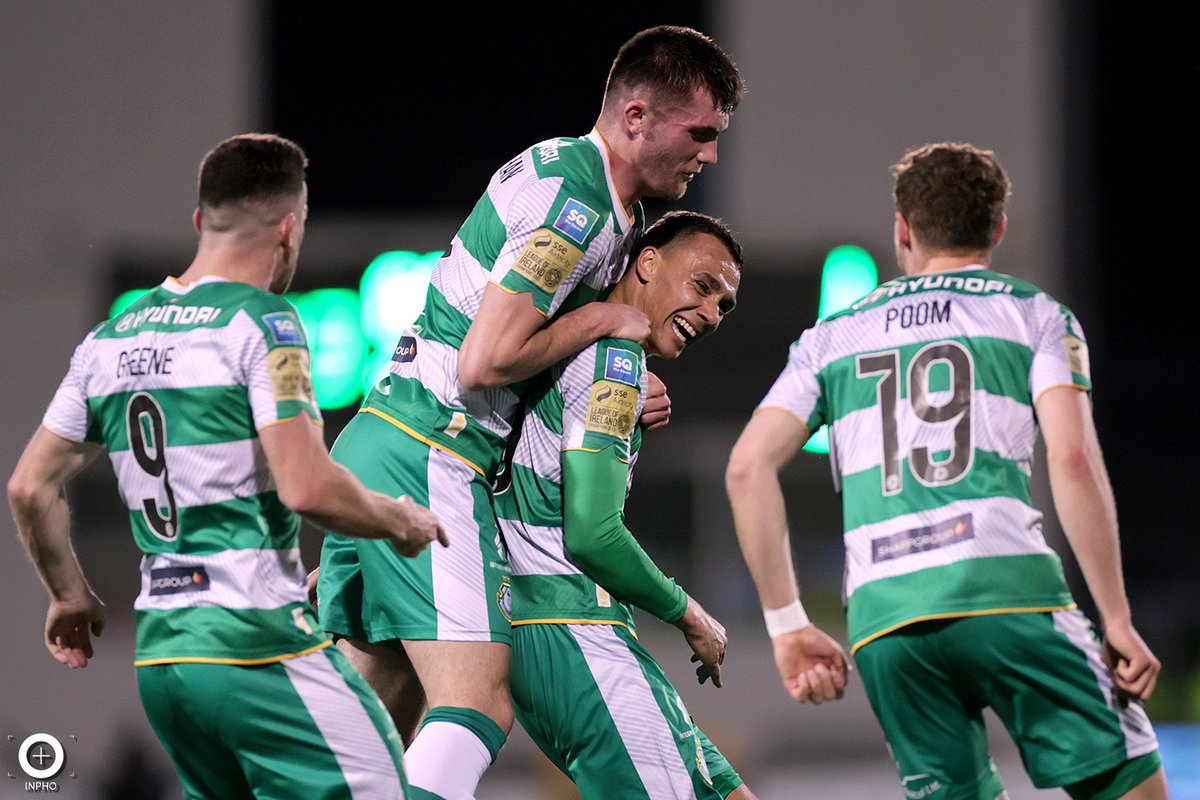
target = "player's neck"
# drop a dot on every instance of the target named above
(943, 263)
(620, 165)
(238, 264)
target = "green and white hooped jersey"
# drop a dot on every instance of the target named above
(550, 223)
(177, 388)
(928, 386)
(589, 402)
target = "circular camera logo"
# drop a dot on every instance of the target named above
(41, 756)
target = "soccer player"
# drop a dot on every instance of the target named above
(933, 387)
(201, 393)
(512, 295)
(589, 695)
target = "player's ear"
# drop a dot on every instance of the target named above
(901, 233)
(1000, 229)
(635, 115)
(648, 262)
(285, 226)
(196, 219)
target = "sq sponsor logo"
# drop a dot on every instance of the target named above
(285, 327)
(576, 220)
(621, 365)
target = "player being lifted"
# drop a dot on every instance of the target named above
(512, 296)
(201, 394)
(590, 696)
(933, 387)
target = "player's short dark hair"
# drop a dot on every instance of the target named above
(676, 60)
(676, 224)
(251, 167)
(952, 195)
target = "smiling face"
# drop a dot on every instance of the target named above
(678, 139)
(690, 284)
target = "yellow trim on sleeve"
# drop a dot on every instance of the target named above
(420, 438)
(318, 421)
(787, 411)
(237, 662)
(983, 613)
(1059, 386)
(514, 292)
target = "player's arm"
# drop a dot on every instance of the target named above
(42, 518)
(812, 665)
(510, 338)
(1083, 498)
(594, 485)
(330, 497)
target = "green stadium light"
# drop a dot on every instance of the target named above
(336, 343)
(393, 293)
(848, 274)
(125, 300)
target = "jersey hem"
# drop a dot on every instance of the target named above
(239, 662)
(422, 439)
(955, 615)
(1059, 386)
(567, 621)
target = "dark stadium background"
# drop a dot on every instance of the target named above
(405, 116)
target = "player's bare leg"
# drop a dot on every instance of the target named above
(470, 714)
(1153, 788)
(393, 678)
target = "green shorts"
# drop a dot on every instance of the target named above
(368, 591)
(601, 708)
(1043, 675)
(302, 727)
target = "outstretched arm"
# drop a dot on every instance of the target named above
(40, 511)
(1087, 510)
(510, 339)
(328, 495)
(812, 665)
(594, 484)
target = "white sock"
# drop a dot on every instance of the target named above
(446, 759)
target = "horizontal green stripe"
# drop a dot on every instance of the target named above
(193, 416)
(532, 499)
(1001, 369)
(483, 232)
(224, 633)
(258, 522)
(562, 597)
(545, 400)
(441, 321)
(990, 476)
(974, 585)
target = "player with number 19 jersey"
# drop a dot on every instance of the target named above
(176, 388)
(928, 387)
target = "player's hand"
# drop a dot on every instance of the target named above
(812, 665)
(417, 527)
(657, 411)
(1133, 667)
(627, 322)
(312, 586)
(70, 625)
(707, 639)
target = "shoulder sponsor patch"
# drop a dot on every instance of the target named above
(406, 350)
(621, 365)
(285, 327)
(547, 259)
(576, 220)
(611, 408)
(291, 376)
(1077, 355)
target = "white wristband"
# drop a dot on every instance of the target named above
(785, 620)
